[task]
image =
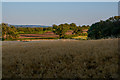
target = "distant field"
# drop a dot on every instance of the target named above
(37, 36)
(80, 37)
(60, 59)
(45, 35)
(48, 35)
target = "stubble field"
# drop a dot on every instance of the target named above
(60, 59)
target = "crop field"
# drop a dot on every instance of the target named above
(45, 35)
(60, 59)
(80, 37)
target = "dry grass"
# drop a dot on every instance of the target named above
(60, 59)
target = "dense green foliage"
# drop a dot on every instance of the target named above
(105, 29)
(63, 28)
(36, 30)
(9, 32)
(0, 30)
(60, 30)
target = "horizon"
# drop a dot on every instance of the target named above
(47, 14)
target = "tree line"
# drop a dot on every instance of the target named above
(10, 32)
(102, 29)
(63, 28)
(105, 29)
(34, 30)
(0, 31)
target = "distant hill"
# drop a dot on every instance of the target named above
(31, 26)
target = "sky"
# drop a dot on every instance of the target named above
(0, 11)
(49, 13)
(60, 0)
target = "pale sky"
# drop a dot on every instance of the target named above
(49, 13)
(9, 18)
(29, 12)
(60, 0)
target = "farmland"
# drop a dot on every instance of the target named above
(49, 35)
(60, 59)
(45, 35)
(80, 37)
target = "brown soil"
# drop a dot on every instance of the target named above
(45, 35)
